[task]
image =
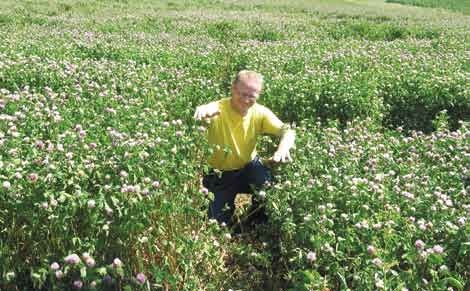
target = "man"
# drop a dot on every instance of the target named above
(235, 124)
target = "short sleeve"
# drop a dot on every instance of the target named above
(270, 123)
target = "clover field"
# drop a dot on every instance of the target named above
(101, 161)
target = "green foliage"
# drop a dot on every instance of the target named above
(360, 199)
(379, 31)
(462, 6)
(100, 156)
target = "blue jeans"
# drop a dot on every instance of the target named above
(253, 176)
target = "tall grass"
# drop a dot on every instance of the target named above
(462, 6)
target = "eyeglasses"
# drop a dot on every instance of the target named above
(248, 97)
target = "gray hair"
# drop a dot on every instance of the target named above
(245, 75)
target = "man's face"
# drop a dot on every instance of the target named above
(244, 95)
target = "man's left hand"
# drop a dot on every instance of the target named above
(281, 156)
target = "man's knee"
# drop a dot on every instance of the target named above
(222, 207)
(260, 175)
(222, 215)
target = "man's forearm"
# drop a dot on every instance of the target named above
(287, 140)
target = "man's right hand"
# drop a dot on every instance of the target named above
(207, 111)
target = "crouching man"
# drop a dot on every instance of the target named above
(235, 123)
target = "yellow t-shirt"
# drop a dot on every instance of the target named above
(238, 133)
